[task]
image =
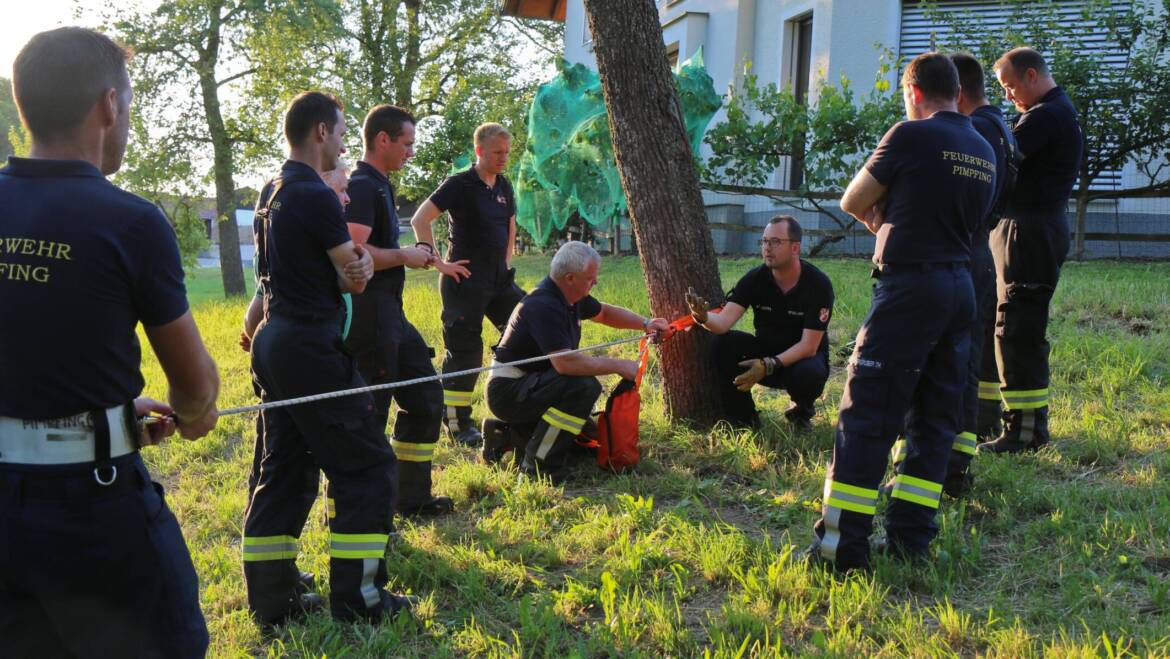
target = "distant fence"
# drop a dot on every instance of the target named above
(1136, 226)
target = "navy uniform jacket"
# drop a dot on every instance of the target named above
(82, 262)
(544, 322)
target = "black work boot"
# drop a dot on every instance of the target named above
(432, 507)
(299, 606)
(958, 481)
(496, 441)
(394, 605)
(558, 476)
(989, 420)
(464, 432)
(1023, 431)
(306, 582)
(800, 416)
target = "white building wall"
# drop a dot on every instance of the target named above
(845, 39)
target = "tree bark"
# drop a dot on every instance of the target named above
(230, 263)
(662, 188)
(1079, 222)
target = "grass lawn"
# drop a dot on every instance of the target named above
(1063, 553)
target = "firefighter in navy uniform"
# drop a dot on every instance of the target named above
(923, 191)
(980, 410)
(1030, 244)
(386, 347)
(306, 251)
(477, 277)
(546, 403)
(337, 181)
(94, 563)
(793, 301)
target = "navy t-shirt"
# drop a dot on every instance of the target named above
(939, 176)
(780, 318)
(480, 213)
(82, 262)
(306, 222)
(371, 204)
(988, 122)
(1049, 136)
(542, 323)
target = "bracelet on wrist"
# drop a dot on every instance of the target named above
(645, 324)
(429, 247)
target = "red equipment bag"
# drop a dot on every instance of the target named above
(617, 426)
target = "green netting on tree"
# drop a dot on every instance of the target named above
(568, 166)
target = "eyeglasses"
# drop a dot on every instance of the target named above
(774, 242)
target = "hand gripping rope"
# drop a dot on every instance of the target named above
(682, 324)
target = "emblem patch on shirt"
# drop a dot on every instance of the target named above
(825, 315)
(501, 200)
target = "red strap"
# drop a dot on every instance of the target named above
(643, 358)
(684, 323)
(680, 324)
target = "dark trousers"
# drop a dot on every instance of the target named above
(1029, 250)
(550, 407)
(982, 354)
(490, 291)
(94, 571)
(906, 376)
(341, 437)
(804, 380)
(387, 348)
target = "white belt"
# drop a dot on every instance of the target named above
(510, 372)
(69, 440)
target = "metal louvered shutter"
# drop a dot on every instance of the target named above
(919, 34)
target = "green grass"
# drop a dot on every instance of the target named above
(1064, 553)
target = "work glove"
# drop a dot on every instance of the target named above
(697, 305)
(757, 369)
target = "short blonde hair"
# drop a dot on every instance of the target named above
(489, 130)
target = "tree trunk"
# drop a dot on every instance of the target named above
(231, 267)
(662, 187)
(1079, 222)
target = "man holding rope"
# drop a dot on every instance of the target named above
(385, 346)
(93, 561)
(547, 402)
(309, 258)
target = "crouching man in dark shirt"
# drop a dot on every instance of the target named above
(548, 401)
(793, 301)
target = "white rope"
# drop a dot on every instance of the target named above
(407, 383)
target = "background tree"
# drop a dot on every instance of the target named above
(9, 118)
(766, 125)
(191, 56)
(659, 177)
(163, 176)
(1124, 110)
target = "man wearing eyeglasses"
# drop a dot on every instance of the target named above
(792, 301)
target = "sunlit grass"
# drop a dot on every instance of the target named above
(1063, 553)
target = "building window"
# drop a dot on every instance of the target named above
(672, 55)
(799, 72)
